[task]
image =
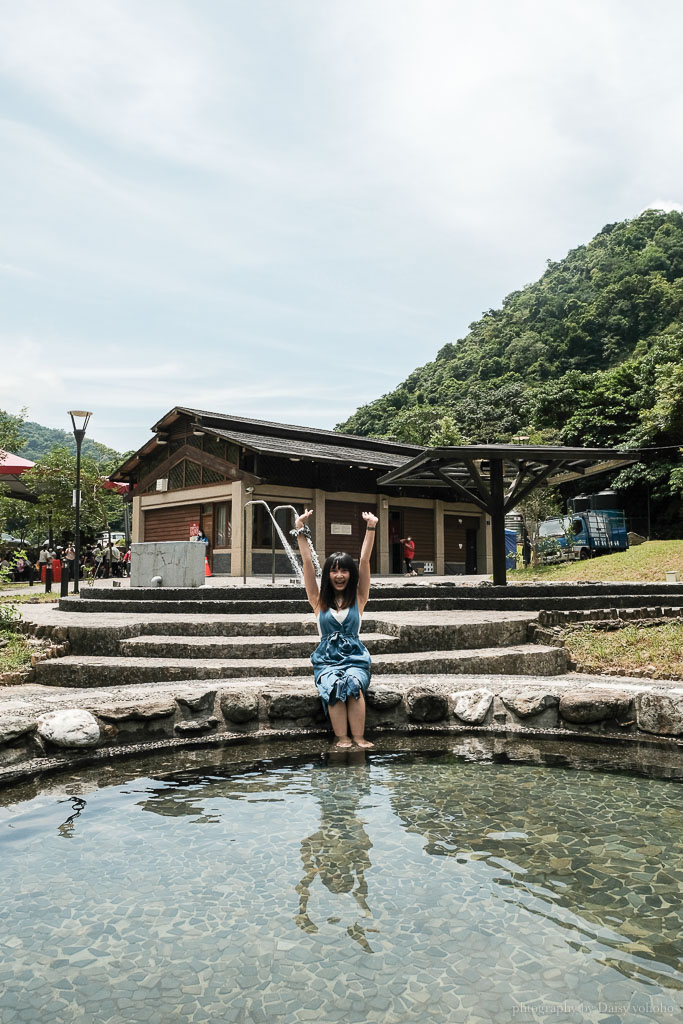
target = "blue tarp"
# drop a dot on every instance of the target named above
(510, 549)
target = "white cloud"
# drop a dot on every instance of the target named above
(663, 204)
(231, 205)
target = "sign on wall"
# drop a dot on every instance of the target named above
(194, 531)
(343, 528)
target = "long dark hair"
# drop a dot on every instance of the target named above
(328, 594)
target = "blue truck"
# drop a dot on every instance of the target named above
(582, 535)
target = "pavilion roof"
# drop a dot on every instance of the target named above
(13, 465)
(465, 468)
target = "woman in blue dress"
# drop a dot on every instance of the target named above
(341, 662)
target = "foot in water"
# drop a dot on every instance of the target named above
(363, 743)
(343, 743)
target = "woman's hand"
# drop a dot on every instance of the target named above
(300, 520)
(370, 519)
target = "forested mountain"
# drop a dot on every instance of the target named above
(590, 354)
(40, 440)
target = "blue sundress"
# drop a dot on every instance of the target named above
(341, 662)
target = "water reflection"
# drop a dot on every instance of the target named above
(338, 852)
(566, 847)
(67, 829)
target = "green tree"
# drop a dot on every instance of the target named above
(53, 480)
(10, 432)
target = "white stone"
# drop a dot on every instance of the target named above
(472, 705)
(69, 728)
(179, 563)
(12, 726)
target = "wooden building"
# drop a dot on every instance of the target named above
(200, 468)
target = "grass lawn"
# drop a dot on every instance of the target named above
(34, 597)
(15, 652)
(657, 650)
(646, 563)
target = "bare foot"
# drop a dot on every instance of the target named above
(343, 743)
(363, 743)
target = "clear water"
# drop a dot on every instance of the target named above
(428, 887)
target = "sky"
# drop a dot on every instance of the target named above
(279, 210)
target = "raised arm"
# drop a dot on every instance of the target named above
(364, 564)
(310, 580)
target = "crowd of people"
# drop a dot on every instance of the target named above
(98, 560)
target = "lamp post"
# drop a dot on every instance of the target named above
(80, 421)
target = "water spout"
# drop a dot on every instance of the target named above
(293, 560)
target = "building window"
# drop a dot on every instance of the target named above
(222, 526)
(262, 528)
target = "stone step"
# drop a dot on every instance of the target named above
(86, 671)
(107, 633)
(383, 589)
(238, 647)
(415, 602)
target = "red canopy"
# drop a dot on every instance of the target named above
(12, 465)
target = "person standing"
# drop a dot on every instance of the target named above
(70, 556)
(408, 554)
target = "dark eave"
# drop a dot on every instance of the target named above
(268, 428)
(292, 448)
(436, 467)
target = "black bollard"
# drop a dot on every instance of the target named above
(48, 578)
(64, 589)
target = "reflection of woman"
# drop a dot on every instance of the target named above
(341, 663)
(339, 851)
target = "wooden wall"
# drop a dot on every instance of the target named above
(347, 512)
(455, 530)
(418, 523)
(170, 522)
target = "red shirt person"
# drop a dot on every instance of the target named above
(408, 554)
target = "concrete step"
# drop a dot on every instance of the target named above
(86, 671)
(238, 647)
(381, 589)
(414, 602)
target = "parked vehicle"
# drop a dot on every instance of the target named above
(582, 535)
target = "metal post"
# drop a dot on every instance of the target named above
(272, 553)
(48, 577)
(244, 547)
(77, 574)
(497, 512)
(64, 586)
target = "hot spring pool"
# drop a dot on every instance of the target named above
(432, 886)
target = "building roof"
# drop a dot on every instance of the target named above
(467, 465)
(13, 465)
(316, 452)
(283, 439)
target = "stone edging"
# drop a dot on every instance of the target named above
(48, 765)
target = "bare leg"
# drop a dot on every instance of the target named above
(339, 720)
(356, 715)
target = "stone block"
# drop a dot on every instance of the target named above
(525, 705)
(585, 706)
(71, 727)
(179, 563)
(143, 711)
(295, 705)
(472, 706)
(383, 698)
(200, 702)
(426, 705)
(196, 727)
(658, 713)
(239, 707)
(12, 726)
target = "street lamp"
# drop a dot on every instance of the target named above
(80, 422)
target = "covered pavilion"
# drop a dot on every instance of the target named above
(11, 469)
(497, 477)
